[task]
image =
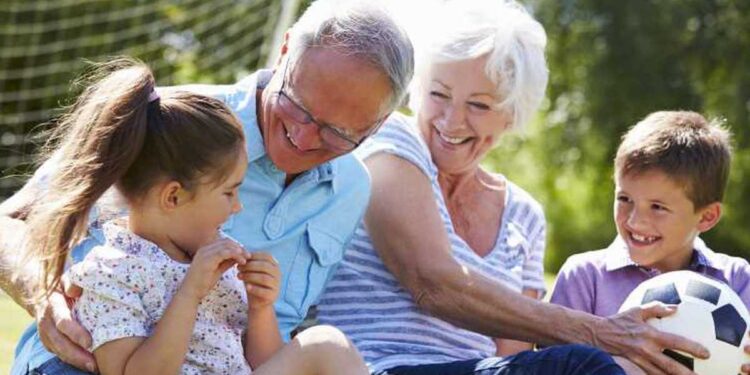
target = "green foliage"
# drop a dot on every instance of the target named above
(611, 63)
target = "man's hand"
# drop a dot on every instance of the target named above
(60, 333)
(628, 335)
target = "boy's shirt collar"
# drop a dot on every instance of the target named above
(618, 256)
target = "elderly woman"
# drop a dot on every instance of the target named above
(486, 75)
(447, 250)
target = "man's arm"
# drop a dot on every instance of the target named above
(406, 229)
(59, 333)
(13, 212)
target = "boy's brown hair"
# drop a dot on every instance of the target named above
(694, 152)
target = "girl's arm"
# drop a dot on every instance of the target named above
(164, 351)
(261, 276)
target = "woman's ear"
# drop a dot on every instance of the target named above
(172, 195)
(710, 216)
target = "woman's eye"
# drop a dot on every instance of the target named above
(479, 106)
(438, 94)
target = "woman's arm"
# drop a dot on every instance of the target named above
(406, 229)
(506, 347)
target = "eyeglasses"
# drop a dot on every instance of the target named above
(333, 138)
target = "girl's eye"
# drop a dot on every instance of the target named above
(229, 194)
(623, 199)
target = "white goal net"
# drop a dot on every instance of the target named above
(45, 44)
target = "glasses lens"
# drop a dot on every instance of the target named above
(292, 110)
(335, 141)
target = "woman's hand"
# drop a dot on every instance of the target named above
(209, 263)
(262, 277)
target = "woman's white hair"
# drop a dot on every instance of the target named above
(501, 29)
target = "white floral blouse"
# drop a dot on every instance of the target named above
(128, 283)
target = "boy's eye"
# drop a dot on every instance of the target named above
(623, 199)
(658, 207)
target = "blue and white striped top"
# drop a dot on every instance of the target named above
(367, 303)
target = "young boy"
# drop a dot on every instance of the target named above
(671, 170)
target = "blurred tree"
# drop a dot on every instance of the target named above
(611, 63)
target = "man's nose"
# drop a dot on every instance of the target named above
(305, 137)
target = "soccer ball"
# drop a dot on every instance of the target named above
(708, 312)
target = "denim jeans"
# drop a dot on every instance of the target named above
(55, 366)
(555, 360)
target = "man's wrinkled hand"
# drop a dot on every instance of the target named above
(60, 333)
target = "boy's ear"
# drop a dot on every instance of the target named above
(172, 195)
(710, 216)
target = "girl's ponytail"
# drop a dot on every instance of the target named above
(95, 144)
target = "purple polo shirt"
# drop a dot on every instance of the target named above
(598, 282)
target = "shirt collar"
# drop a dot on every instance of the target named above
(253, 138)
(618, 256)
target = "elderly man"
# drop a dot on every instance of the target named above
(342, 69)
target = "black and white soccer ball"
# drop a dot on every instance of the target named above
(708, 312)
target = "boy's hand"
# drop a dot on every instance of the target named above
(209, 263)
(262, 277)
(746, 366)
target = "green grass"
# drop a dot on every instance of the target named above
(13, 320)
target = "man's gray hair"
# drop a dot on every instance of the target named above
(361, 28)
(504, 31)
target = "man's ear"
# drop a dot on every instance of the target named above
(710, 216)
(172, 195)
(282, 50)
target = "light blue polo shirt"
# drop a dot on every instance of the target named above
(305, 225)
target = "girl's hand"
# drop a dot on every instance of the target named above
(746, 366)
(262, 277)
(209, 263)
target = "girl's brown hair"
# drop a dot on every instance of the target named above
(115, 135)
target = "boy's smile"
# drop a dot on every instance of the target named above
(657, 220)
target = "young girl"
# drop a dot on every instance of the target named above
(163, 295)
